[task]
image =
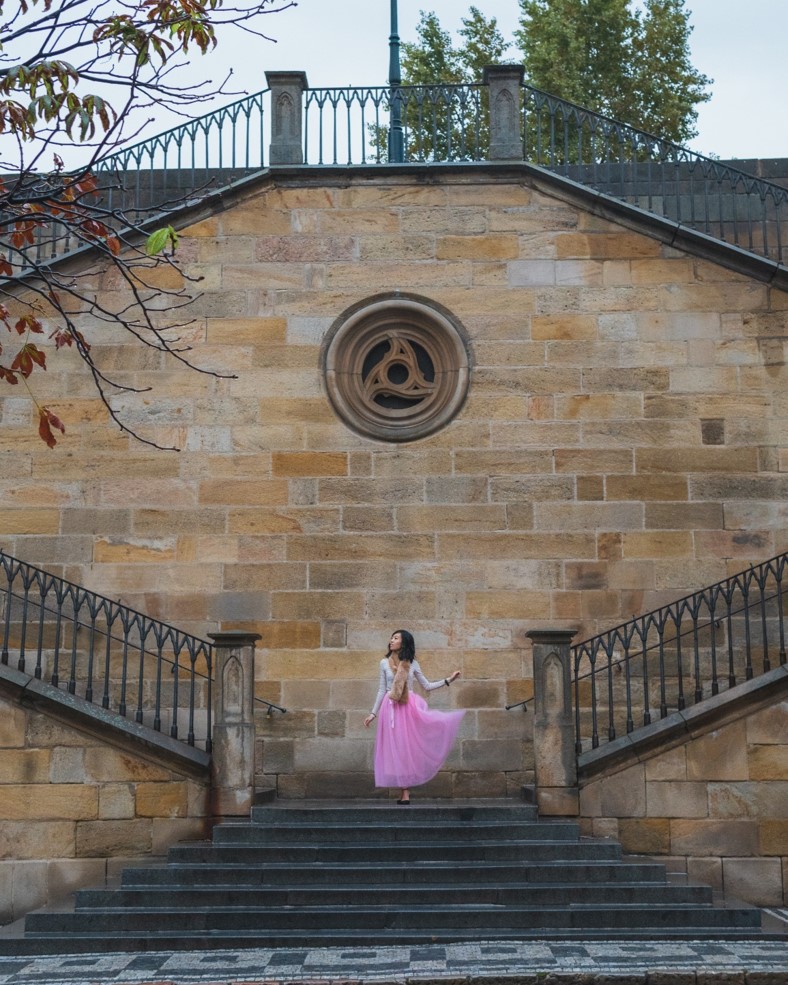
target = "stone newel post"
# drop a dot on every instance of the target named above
(232, 764)
(287, 125)
(554, 732)
(504, 81)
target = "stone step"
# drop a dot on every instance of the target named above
(358, 876)
(385, 813)
(446, 919)
(485, 851)
(223, 896)
(334, 832)
(402, 873)
(83, 942)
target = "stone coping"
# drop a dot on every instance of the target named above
(665, 230)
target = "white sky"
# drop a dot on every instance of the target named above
(742, 46)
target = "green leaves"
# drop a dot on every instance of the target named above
(613, 57)
(157, 242)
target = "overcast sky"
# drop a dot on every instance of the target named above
(741, 45)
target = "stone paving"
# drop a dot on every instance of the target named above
(670, 962)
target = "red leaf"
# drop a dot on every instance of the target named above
(46, 421)
(61, 338)
(23, 363)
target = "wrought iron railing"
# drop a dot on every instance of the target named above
(348, 127)
(105, 652)
(655, 175)
(441, 123)
(646, 669)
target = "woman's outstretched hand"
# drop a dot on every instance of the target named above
(369, 720)
(454, 676)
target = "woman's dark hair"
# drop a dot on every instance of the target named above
(408, 648)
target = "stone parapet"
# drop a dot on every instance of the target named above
(75, 806)
(712, 798)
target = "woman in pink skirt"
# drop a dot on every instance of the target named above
(412, 742)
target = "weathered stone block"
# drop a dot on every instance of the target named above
(773, 837)
(30, 887)
(757, 880)
(95, 839)
(624, 794)
(491, 754)
(48, 801)
(768, 726)
(37, 839)
(22, 766)
(161, 799)
(645, 836)
(675, 798)
(105, 763)
(714, 837)
(116, 801)
(768, 762)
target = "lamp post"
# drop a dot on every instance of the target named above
(396, 136)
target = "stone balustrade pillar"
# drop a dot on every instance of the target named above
(554, 727)
(287, 123)
(505, 81)
(232, 762)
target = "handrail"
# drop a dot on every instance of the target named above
(106, 652)
(690, 649)
(271, 706)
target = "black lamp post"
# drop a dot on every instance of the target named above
(396, 136)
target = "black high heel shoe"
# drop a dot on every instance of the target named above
(404, 803)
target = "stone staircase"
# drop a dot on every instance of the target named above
(320, 875)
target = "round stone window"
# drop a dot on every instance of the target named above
(396, 367)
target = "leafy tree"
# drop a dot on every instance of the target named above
(440, 119)
(75, 73)
(628, 63)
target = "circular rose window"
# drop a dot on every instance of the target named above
(396, 367)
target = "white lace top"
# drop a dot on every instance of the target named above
(387, 680)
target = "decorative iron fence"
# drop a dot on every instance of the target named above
(655, 175)
(105, 652)
(441, 123)
(348, 127)
(706, 643)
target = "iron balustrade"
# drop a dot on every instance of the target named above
(694, 648)
(105, 652)
(655, 175)
(440, 123)
(348, 127)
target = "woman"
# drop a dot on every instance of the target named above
(411, 742)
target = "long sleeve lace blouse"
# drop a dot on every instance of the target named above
(387, 680)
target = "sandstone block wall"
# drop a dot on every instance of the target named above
(623, 443)
(74, 810)
(715, 808)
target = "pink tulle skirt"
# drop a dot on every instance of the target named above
(412, 742)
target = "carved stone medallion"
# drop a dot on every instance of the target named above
(396, 367)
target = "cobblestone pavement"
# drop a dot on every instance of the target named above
(563, 963)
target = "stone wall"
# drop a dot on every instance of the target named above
(623, 442)
(75, 808)
(714, 807)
